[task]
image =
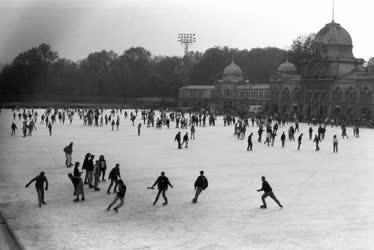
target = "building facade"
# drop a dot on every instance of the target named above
(330, 83)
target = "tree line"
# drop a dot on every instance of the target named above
(136, 72)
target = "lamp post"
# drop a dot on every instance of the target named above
(186, 40)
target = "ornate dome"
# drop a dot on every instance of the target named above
(371, 62)
(370, 65)
(232, 73)
(333, 34)
(287, 67)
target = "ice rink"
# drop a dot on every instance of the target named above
(328, 198)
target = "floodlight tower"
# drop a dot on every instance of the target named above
(186, 40)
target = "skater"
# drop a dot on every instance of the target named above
(84, 167)
(50, 128)
(192, 132)
(102, 164)
(249, 147)
(299, 141)
(68, 152)
(344, 132)
(178, 139)
(310, 133)
(335, 144)
(201, 184)
(139, 126)
(97, 173)
(76, 171)
(78, 187)
(39, 186)
(283, 139)
(267, 192)
(114, 176)
(162, 183)
(117, 123)
(185, 140)
(317, 140)
(13, 127)
(89, 171)
(120, 196)
(113, 123)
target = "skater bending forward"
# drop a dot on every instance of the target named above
(162, 183)
(267, 192)
(39, 186)
(120, 196)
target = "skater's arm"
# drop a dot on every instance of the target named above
(28, 184)
(154, 184)
(46, 184)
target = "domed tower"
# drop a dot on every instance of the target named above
(370, 65)
(232, 73)
(333, 41)
(225, 88)
(287, 68)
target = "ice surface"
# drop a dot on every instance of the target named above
(328, 198)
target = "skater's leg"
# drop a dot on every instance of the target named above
(122, 199)
(103, 172)
(115, 186)
(164, 196)
(198, 192)
(38, 192)
(263, 199)
(110, 185)
(275, 199)
(113, 202)
(157, 196)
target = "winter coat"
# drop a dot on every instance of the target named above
(114, 173)
(266, 187)
(162, 183)
(201, 182)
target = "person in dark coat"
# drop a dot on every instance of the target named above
(50, 128)
(39, 186)
(102, 164)
(299, 141)
(310, 133)
(76, 172)
(139, 126)
(185, 140)
(13, 127)
(89, 171)
(68, 152)
(201, 184)
(78, 187)
(84, 167)
(317, 140)
(250, 144)
(162, 183)
(120, 196)
(283, 139)
(114, 176)
(178, 139)
(267, 192)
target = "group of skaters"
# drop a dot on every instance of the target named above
(95, 170)
(271, 132)
(162, 183)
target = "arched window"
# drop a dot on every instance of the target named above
(227, 93)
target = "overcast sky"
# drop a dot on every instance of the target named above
(76, 28)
